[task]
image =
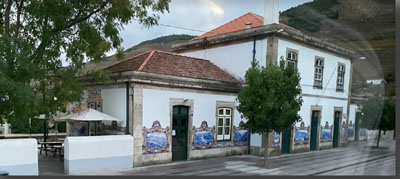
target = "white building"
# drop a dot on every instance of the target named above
(325, 71)
(176, 107)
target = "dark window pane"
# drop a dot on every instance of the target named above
(227, 122)
(220, 122)
(174, 123)
(175, 111)
(228, 112)
(183, 122)
(227, 131)
(219, 131)
(221, 112)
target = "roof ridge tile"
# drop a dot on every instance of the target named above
(146, 60)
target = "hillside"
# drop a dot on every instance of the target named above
(163, 43)
(366, 26)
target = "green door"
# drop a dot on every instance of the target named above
(179, 132)
(314, 130)
(357, 127)
(286, 141)
(336, 127)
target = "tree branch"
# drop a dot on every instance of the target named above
(7, 18)
(19, 9)
(40, 49)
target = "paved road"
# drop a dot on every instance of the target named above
(357, 159)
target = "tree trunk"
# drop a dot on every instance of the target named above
(266, 163)
(379, 137)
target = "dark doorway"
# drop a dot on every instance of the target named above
(180, 118)
(357, 127)
(336, 127)
(314, 130)
(286, 141)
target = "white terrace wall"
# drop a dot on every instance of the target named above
(86, 154)
(19, 156)
(234, 58)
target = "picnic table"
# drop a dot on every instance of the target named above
(54, 146)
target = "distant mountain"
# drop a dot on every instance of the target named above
(366, 26)
(163, 43)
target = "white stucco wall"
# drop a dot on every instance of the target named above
(327, 113)
(85, 154)
(234, 58)
(156, 107)
(306, 58)
(255, 140)
(19, 156)
(353, 111)
(114, 103)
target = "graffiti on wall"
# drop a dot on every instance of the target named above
(203, 137)
(241, 135)
(301, 134)
(155, 139)
(326, 132)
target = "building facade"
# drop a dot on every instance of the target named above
(325, 71)
(176, 107)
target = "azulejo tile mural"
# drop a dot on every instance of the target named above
(241, 135)
(326, 133)
(301, 134)
(350, 130)
(343, 129)
(363, 132)
(155, 139)
(277, 141)
(203, 137)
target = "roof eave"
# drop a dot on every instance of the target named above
(265, 30)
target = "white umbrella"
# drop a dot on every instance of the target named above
(87, 115)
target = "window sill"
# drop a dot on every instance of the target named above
(317, 87)
(339, 91)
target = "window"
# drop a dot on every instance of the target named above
(292, 58)
(340, 78)
(318, 73)
(224, 123)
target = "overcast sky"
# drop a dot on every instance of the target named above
(202, 15)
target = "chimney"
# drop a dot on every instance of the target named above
(271, 12)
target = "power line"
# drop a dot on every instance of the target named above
(183, 28)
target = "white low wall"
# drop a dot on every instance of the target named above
(19, 156)
(86, 154)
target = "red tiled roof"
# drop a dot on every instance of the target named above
(237, 25)
(173, 64)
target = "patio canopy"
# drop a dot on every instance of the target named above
(87, 115)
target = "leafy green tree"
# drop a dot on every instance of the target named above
(270, 99)
(35, 34)
(378, 114)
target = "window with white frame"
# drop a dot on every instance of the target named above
(318, 73)
(340, 78)
(291, 58)
(224, 123)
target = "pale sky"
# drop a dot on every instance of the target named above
(203, 15)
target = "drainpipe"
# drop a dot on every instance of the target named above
(254, 48)
(127, 108)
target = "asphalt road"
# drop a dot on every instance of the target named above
(359, 158)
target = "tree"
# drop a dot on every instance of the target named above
(378, 114)
(270, 99)
(35, 34)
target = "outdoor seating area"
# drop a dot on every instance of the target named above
(54, 147)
